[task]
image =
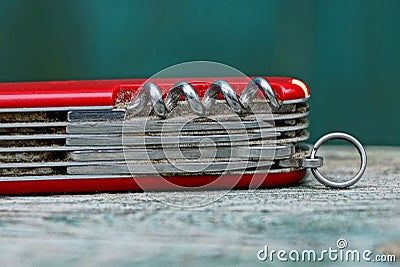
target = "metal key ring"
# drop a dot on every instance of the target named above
(353, 141)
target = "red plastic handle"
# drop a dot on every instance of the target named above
(106, 92)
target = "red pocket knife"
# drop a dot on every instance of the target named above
(159, 134)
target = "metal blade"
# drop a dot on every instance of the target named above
(167, 169)
(97, 115)
(96, 140)
(241, 152)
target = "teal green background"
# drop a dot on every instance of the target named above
(347, 51)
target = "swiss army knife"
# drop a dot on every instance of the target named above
(158, 134)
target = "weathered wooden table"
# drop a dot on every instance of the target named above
(136, 228)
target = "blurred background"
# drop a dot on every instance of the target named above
(347, 51)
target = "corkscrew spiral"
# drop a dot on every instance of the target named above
(151, 93)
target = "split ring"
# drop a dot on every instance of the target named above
(354, 142)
